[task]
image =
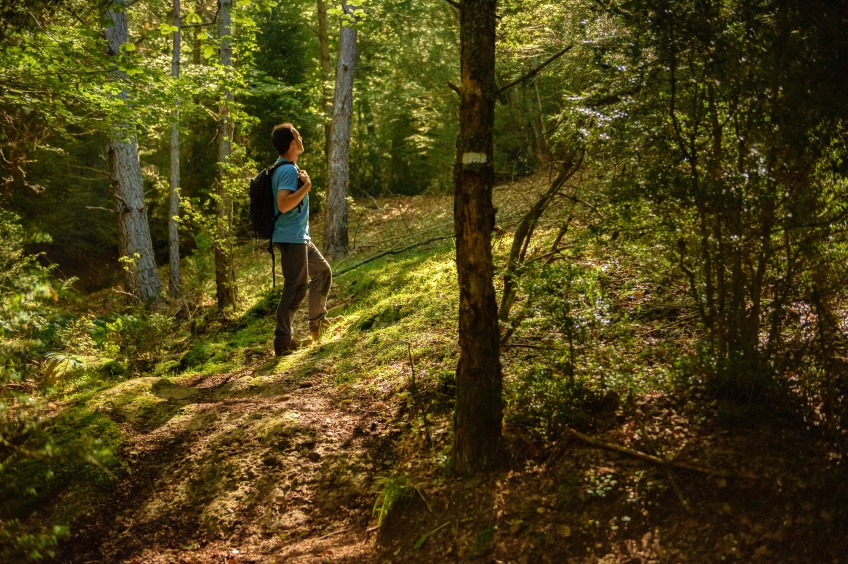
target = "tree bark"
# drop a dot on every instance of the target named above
(326, 93)
(174, 206)
(134, 244)
(335, 227)
(479, 410)
(225, 278)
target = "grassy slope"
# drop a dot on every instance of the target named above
(220, 446)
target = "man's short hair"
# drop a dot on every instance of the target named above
(282, 137)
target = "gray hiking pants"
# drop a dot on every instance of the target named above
(304, 271)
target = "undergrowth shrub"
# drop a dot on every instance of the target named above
(26, 321)
(545, 401)
(135, 337)
(391, 493)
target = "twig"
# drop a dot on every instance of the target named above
(393, 252)
(655, 459)
(334, 533)
(535, 71)
(674, 485)
(427, 503)
(519, 346)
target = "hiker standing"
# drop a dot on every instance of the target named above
(304, 268)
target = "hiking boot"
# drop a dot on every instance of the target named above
(282, 348)
(317, 329)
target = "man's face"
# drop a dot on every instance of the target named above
(298, 140)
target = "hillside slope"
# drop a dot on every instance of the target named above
(224, 453)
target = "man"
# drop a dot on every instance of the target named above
(304, 268)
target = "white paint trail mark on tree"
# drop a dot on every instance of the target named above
(473, 158)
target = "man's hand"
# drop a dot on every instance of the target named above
(304, 177)
(288, 200)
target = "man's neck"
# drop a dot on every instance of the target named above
(291, 157)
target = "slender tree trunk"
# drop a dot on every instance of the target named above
(134, 242)
(479, 409)
(326, 70)
(335, 227)
(174, 207)
(546, 153)
(225, 278)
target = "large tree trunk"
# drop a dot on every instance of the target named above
(326, 93)
(335, 227)
(225, 278)
(174, 207)
(134, 244)
(479, 410)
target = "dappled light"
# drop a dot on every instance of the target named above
(548, 282)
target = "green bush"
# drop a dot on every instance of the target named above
(545, 401)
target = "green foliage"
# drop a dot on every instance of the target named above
(721, 136)
(545, 401)
(31, 451)
(58, 367)
(391, 493)
(17, 546)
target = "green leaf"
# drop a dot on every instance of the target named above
(208, 51)
(420, 542)
(127, 47)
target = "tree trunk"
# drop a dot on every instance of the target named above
(134, 244)
(225, 278)
(479, 409)
(335, 228)
(326, 93)
(174, 207)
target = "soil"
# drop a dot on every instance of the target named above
(287, 474)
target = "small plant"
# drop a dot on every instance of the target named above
(76, 336)
(59, 366)
(135, 337)
(545, 400)
(599, 483)
(390, 492)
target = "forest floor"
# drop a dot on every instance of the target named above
(225, 453)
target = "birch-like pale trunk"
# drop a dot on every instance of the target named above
(134, 244)
(174, 207)
(326, 93)
(335, 227)
(225, 278)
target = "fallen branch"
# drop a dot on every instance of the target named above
(391, 252)
(656, 459)
(522, 346)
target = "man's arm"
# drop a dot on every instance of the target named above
(287, 200)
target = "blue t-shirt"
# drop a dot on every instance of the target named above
(293, 225)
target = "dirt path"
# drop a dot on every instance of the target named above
(277, 472)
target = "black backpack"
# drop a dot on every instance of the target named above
(263, 210)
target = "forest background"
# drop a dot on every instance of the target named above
(676, 218)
